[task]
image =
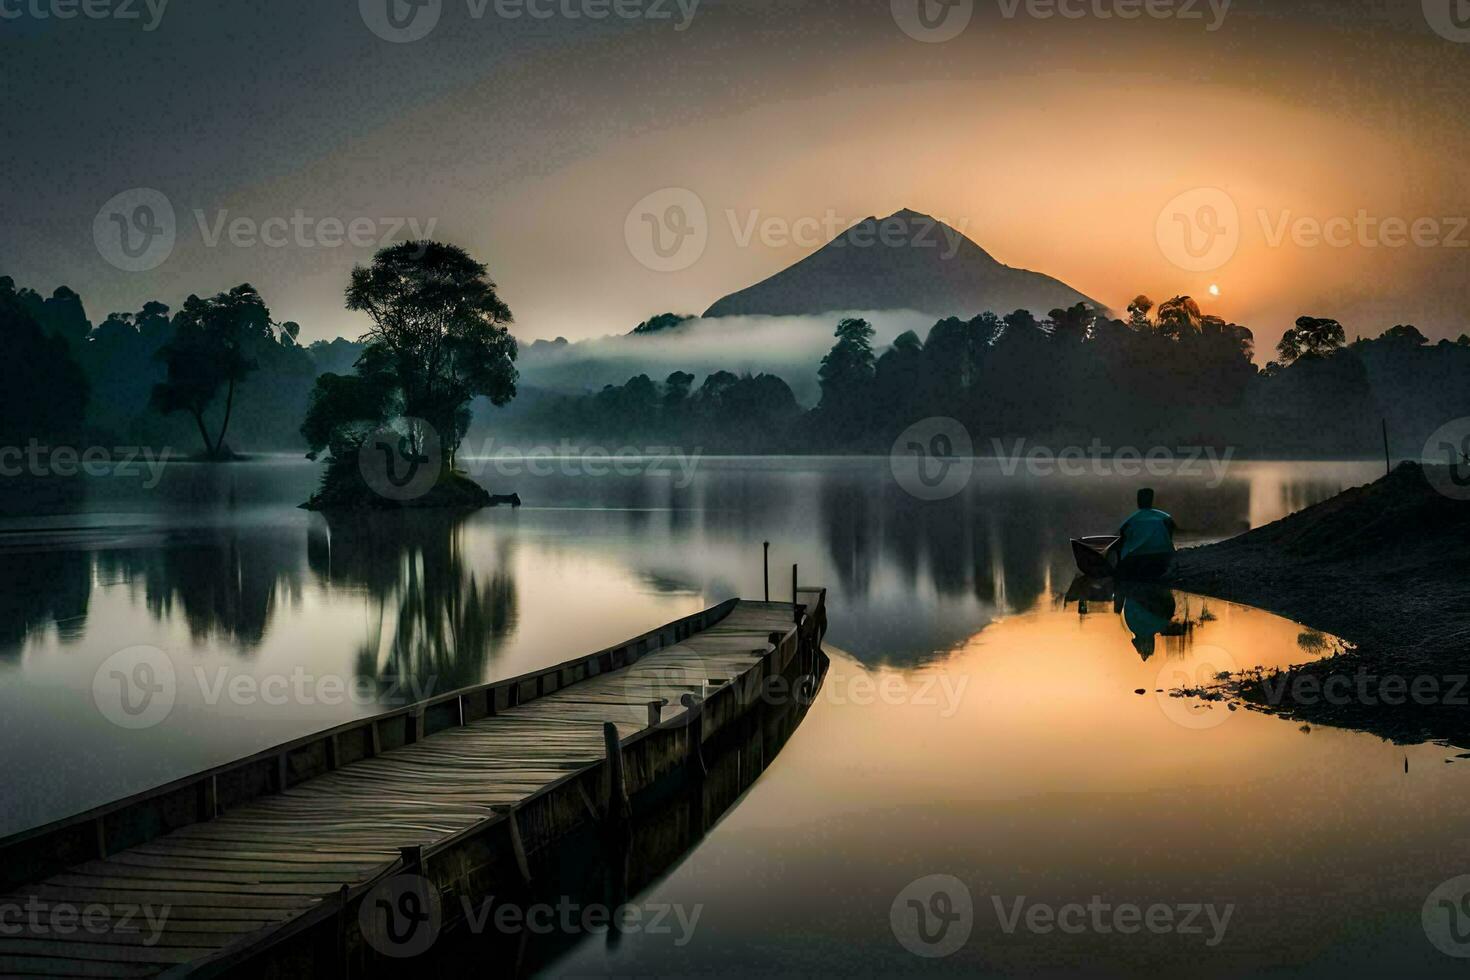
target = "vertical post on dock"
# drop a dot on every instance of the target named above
(1387, 460)
(615, 791)
(796, 609)
(656, 711)
(766, 569)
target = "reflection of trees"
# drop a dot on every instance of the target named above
(999, 546)
(41, 589)
(226, 585)
(439, 621)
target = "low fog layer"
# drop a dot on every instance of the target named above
(790, 347)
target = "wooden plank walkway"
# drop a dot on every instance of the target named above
(224, 883)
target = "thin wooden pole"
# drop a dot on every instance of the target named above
(1387, 461)
(766, 568)
(796, 609)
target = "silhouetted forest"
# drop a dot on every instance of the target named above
(221, 375)
(1168, 375)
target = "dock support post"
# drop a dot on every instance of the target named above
(694, 731)
(615, 790)
(796, 608)
(766, 569)
(656, 711)
(517, 843)
(209, 799)
(341, 959)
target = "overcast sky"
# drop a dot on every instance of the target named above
(1085, 147)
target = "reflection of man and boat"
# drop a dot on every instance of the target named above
(1122, 572)
(1149, 610)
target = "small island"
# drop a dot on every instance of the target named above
(392, 428)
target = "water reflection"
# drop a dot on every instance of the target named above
(1151, 612)
(221, 549)
(438, 621)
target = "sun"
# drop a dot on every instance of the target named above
(1214, 289)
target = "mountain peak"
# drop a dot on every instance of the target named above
(906, 261)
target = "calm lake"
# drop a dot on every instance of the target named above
(976, 722)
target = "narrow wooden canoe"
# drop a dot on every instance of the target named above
(1092, 555)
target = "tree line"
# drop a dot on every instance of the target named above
(1165, 374)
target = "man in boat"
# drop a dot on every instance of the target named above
(1145, 547)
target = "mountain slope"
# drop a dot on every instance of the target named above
(907, 261)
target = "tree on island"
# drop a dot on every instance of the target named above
(209, 351)
(1311, 337)
(439, 339)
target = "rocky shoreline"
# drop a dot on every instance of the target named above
(1381, 566)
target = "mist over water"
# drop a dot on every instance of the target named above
(790, 347)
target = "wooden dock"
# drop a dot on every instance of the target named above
(265, 866)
